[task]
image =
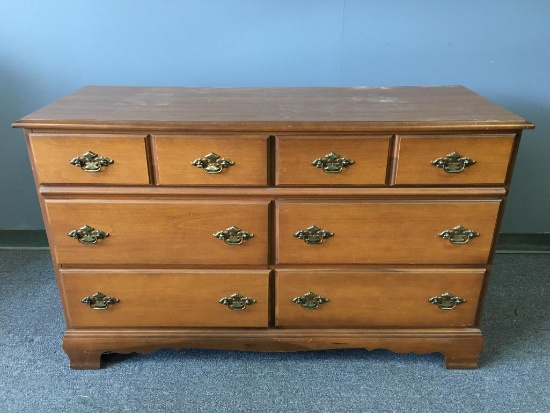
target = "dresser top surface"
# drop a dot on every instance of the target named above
(348, 109)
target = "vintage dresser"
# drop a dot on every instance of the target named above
(272, 219)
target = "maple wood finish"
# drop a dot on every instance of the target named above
(51, 152)
(167, 232)
(294, 156)
(167, 299)
(175, 254)
(376, 299)
(385, 233)
(490, 152)
(175, 154)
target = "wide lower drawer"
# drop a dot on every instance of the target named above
(89, 159)
(211, 160)
(332, 160)
(162, 232)
(453, 159)
(166, 299)
(333, 299)
(405, 232)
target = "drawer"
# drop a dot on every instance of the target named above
(166, 299)
(245, 160)
(384, 232)
(376, 299)
(296, 154)
(52, 156)
(491, 154)
(162, 232)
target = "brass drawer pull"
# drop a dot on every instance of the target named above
(446, 301)
(212, 163)
(458, 235)
(91, 162)
(313, 235)
(233, 235)
(453, 162)
(87, 235)
(310, 301)
(237, 302)
(332, 163)
(99, 301)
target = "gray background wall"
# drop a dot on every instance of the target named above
(501, 49)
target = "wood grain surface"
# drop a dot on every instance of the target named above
(148, 232)
(166, 299)
(376, 299)
(276, 109)
(385, 233)
(416, 153)
(174, 155)
(52, 155)
(295, 154)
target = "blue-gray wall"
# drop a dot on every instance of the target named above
(500, 49)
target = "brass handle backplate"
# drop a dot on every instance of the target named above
(446, 301)
(458, 235)
(87, 235)
(453, 162)
(236, 302)
(313, 235)
(99, 301)
(212, 163)
(91, 162)
(332, 163)
(310, 301)
(233, 235)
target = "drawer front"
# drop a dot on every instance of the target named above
(417, 154)
(376, 299)
(165, 299)
(245, 156)
(52, 156)
(295, 156)
(169, 232)
(380, 232)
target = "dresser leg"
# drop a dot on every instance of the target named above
(461, 361)
(84, 360)
(83, 354)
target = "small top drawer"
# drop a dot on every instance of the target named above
(89, 159)
(332, 160)
(211, 160)
(453, 160)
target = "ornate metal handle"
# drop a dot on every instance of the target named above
(99, 301)
(87, 235)
(233, 235)
(236, 302)
(446, 301)
(458, 235)
(332, 163)
(212, 163)
(453, 162)
(91, 162)
(310, 301)
(313, 235)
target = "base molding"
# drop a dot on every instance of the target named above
(461, 347)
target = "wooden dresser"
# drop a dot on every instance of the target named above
(272, 219)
